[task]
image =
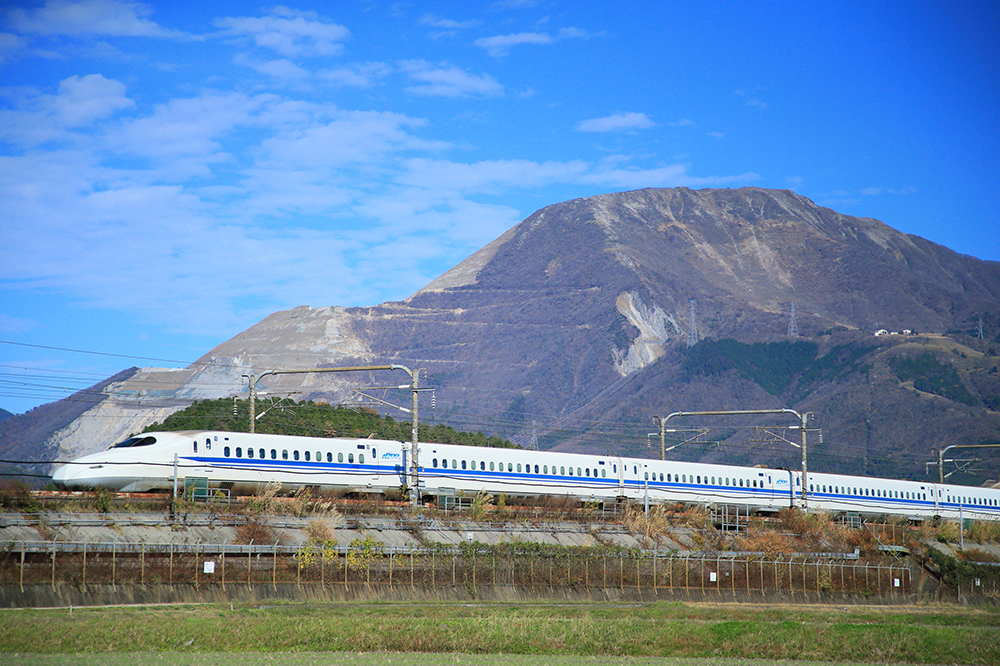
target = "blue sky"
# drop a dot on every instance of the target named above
(173, 172)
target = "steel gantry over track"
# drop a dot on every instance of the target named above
(414, 386)
(803, 418)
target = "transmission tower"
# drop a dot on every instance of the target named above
(793, 328)
(693, 326)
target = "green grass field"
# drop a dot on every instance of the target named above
(491, 633)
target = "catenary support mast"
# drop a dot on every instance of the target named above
(414, 475)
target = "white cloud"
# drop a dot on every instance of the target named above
(289, 33)
(448, 24)
(79, 102)
(500, 44)
(283, 69)
(10, 45)
(89, 17)
(449, 81)
(616, 122)
(877, 191)
(362, 75)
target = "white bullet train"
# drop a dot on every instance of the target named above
(242, 463)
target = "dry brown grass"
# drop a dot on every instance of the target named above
(257, 532)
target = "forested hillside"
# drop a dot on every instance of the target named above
(312, 419)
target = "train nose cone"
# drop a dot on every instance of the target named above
(61, 476)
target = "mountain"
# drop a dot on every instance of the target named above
(583, 322)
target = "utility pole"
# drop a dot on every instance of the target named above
(414, 476)
(693, 327)
(803, 422)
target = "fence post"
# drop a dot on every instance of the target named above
(274, 566)
(22, 565)
(84, 563)
(249, 562)
(197, 584)
(53, 566)
(114, 556)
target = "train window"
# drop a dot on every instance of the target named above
(510, 467)
(482, 466)
(195, 444)
(464, 464)
(604, 473)
(361, 458)
(635, 470)
(536, 469)
(661, 475)
(518, 467)
(284, 454)
(492, 465)
(340, 456)
(571, 471)
(319, 456)
(434, 463)
(727, 481)
(647, 476)
(562, 470)
(306, 456)
(225, 451)
(741, 483)
(545, 469)
(713, 480)
(295, 454)
(250, 452)
(260, 453)
(274, 454)
(615, 468)
(208, 444)
(350, 458)
(755, 483)
(668, 477)
(587, 473)
(699, 478)
(239, 452)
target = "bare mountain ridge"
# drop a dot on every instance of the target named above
(580, 314)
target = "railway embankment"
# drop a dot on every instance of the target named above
(388, 552)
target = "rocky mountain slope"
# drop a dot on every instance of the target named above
(590, 317)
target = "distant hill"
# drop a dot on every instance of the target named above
(4, 414)
(583, 322)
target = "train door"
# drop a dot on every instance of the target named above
(768, 478)
(618, 469)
